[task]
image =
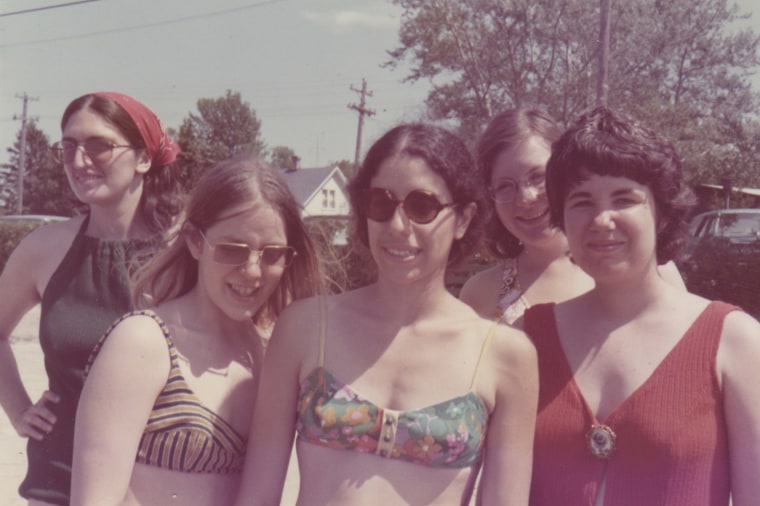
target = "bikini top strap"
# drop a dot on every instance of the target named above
(322, 330)
(484, 348)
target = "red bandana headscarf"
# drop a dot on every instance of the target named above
(161, 149)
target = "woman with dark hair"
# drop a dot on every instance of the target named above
(397, 392)
(185, 369)
(647, 392)
(535, 267)
(117, 159)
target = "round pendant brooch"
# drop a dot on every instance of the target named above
(601, 441)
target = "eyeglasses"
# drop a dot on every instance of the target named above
(231, 253)
(97, 150)
(506, 190)
(420, 206)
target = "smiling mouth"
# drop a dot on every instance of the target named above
(401, 253)
(242, 290)
(605, 245)
(535, 217)
(83, 177)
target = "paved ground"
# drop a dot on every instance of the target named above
(13, 448)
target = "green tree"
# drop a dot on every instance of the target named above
(224, 127)
(677, 65)
(283, 157)
(345, 166)
(46, 189)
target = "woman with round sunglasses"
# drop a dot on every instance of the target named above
(117, 158)
(398, 392)
(648, 394)
(535, 266)
(170, 389)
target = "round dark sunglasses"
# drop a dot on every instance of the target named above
(419, 206)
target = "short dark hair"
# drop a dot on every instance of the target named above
(446, 155)
(607, 143)
(505, 131)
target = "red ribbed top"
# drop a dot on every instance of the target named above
(672, 442)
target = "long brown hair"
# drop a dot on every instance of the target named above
(229, 184)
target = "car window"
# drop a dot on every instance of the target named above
(704, 228)
(739, 226)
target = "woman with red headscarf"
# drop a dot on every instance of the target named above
(116, 156)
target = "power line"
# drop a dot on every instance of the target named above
(36, 9)
(147, 25)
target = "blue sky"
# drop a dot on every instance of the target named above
(292, 60)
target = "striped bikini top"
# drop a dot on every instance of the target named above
(450, 434)
(182, 434)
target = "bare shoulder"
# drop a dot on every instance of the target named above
(133, 360)
(296, 330)
(29, 268)
(482, 290)
(49, 239)
(512, 370)
(137, 337)
(741, 335)
(42, 250)
(513, 347)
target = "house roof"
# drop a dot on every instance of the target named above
(304, 183)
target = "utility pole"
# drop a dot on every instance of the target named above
(363, 111)
(604, 51)
(22, 155)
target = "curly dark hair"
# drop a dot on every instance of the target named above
(608, 143)
(447, 155)
(505, 131)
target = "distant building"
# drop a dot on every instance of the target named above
(321, 191)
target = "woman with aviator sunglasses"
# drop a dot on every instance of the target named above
(184, 366)
(117, 158)
(397, 392)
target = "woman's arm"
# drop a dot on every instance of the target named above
(507, 468)
(274, 419)
(18, 294)
(738, 361)
(130, 371)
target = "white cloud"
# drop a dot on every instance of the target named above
(346, 20)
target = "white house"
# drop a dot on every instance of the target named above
(321, 191)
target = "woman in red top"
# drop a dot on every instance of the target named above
(647, 392)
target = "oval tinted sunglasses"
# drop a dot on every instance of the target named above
(232, 253)
(97, 150)
(419, 206)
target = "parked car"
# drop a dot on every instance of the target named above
(722, 259)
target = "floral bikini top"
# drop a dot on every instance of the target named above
(450, 434)
(512, 302)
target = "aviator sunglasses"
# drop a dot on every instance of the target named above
(97, 150)
(419, 206)
(231, 253)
